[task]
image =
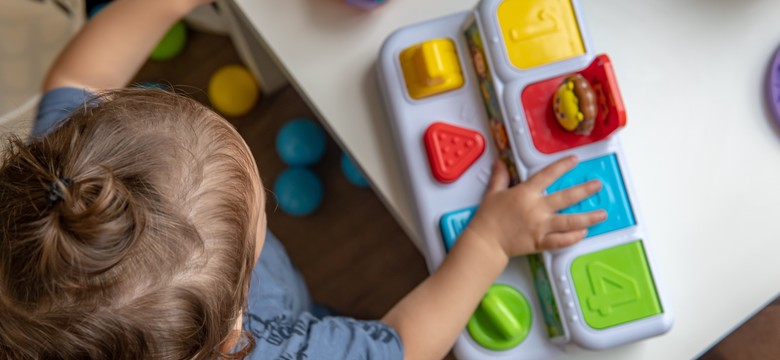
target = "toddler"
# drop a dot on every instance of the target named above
(133, 226)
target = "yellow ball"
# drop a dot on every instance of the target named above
(233, 90)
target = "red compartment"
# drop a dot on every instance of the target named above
(548, 136)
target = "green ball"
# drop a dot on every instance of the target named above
(172, 43)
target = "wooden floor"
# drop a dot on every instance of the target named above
(352, 253)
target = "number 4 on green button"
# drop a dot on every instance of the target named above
(611, 288)
(615, 286)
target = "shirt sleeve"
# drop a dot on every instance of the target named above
(55, 106)
(282, 320)
(310, 338)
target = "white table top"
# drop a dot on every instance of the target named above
(702, 150)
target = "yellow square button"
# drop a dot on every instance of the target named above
(431, 67)
(538, 32)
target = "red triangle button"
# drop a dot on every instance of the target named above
(451, 150)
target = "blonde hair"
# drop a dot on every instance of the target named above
(127, 232)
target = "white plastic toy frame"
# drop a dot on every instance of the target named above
(464, 107)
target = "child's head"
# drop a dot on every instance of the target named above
(128, 231)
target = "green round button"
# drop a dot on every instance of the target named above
(172, 43)
(502, 320)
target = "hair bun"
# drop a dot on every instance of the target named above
(94, 223)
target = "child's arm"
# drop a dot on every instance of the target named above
(509, 222)
(114, 44)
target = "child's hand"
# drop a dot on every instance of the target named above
(523, 220)
(509, 222)
(111, 47)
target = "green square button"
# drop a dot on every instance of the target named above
(615, 286)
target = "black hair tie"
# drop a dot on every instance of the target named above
(55, 194)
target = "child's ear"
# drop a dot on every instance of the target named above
(262, 229)
(230, 342)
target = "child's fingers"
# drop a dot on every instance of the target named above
(568, 197)
(562, 239)
(499, 180)
(544, 178)
(572, 222)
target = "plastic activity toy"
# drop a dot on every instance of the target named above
(233, 90)
(773, 89)
(523, 75)
(299, 191)
(352, 172)
(172, 43)
(300, 141)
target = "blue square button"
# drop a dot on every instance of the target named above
(612, 197)
(453, 223)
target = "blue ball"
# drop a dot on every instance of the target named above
(300, 142)
(299, 191)
(352, 172)
(96, 9)
(151, 85)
